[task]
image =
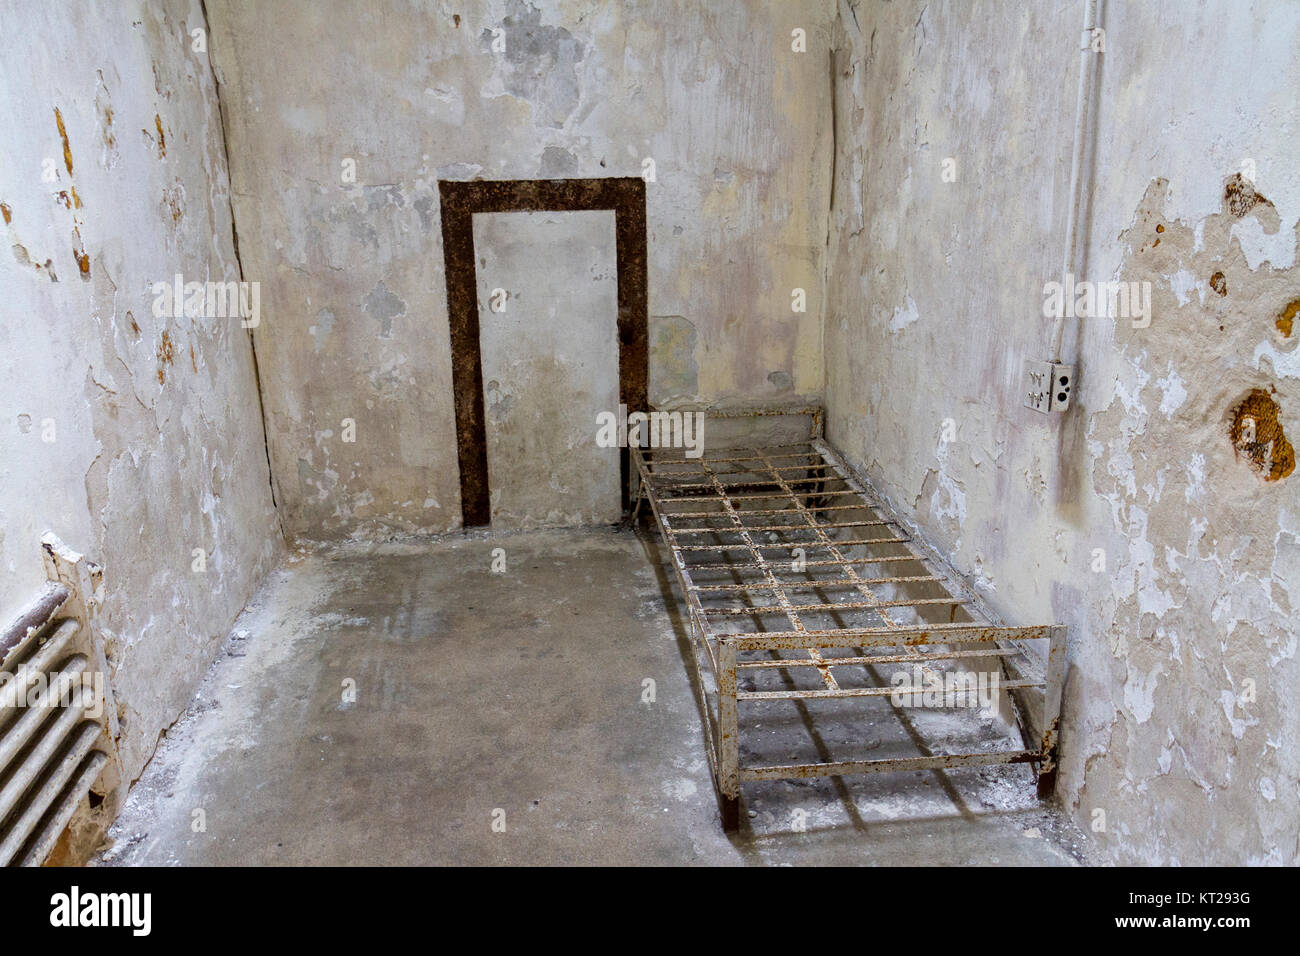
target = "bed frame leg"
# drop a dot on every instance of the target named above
(728, 762)
(730, 809)
(1052, 712)
(1046, 784)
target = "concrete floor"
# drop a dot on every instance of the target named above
(520, 692)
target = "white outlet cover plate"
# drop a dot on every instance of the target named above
(1036, 386)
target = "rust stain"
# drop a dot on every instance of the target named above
(193, 364)
(162, 137)
(172, 198)
(7, 213)
(1285, 320)
(1240, 197)
(79, 253)
(110, 140)
(76, 200)
(130, 317)
(63, 198)
(63, 134)
(1219, 283)
(1160, 227)
(166, 355)
(1256, 433)
(157, 83)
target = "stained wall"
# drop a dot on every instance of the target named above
(1149, 518)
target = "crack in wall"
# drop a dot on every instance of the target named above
(239, 264)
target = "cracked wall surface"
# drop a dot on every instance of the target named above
(1159, 517)
(355, 328)
(136, 438)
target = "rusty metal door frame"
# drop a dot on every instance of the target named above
(625, 196)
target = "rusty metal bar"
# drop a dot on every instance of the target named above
(728, 761)
(755, 512)
(693, 464)
(907, 636)
(664, 456)
(686, 499)
(842, 768)
(675, 486)
(781, 527)
(812, 584)
(869, 660)
(786, 545)
(740, 565)
(852, 691)
(829, 606)
(1052, 712)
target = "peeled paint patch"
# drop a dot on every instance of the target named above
(536, 63)
(1286, 318)
(1240, 197)
(1257, 434)
(424, 209)
(1174, 393)
(673, 369)
(385, 306)
(79, 253)
(557, 163)
(321, 330)
(781, 380)
(904, 316)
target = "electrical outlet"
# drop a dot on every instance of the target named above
(1062, 386)
(1038, 385)
(1047, 386)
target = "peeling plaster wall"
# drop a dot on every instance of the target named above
(136, 439)
(355, 327)
(1180, 717)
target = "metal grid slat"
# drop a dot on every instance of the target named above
(768, 501)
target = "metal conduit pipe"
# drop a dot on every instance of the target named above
(1088, 51)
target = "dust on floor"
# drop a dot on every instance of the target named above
(404, 703)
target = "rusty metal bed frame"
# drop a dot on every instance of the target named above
(733, 518)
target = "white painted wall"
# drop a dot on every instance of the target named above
(1180, 719)
(157, 446)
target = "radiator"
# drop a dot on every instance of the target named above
(59, 774)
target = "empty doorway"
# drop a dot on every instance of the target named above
(461, 201)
